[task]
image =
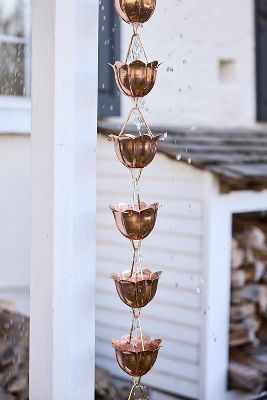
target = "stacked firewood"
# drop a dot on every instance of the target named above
(248, 313)
(14, 356)
(14, 361)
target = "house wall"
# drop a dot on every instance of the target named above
(15, 219)
(176, 247)
(209, 45)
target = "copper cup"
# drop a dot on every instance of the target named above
(137, 290)
(135, 151)
(135, 11)
(132, 359)
(135, 223)
(137, 78)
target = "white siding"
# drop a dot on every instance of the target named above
(175, 247)
(194, 38)
(15, 219)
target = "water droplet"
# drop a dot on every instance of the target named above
(178, 157)
(138, 121)
(169, 69)
(164, 136)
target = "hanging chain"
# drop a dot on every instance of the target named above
(135, 49)
(137, 385)
(135, 35)
(136, 108)
(136, 313)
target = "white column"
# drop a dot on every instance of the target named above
(64, 112)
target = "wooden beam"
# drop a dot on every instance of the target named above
(64, 114)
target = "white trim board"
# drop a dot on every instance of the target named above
(15, 115)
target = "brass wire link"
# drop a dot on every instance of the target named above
(137, 384)
(135, 35)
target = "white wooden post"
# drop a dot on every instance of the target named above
(64, 112)
(216, 303)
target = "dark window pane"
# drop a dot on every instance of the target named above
(11, 17)
(11, 69)
(261, 58)
(109, 51)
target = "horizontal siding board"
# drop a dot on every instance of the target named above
(174, 331)
(167, 312)
(164, 243)
(111, 169)
(159, 191)
(172, 384)
(154, 259)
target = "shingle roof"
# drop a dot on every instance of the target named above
(237, 157)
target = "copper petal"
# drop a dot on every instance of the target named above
(136, 79)
(133, 223)
(137, 291)
(132, 359)
(135, 151)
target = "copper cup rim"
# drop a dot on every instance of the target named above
(156, 342)
(140, 138)
(117, 277)
(125, 208)
(119, 64)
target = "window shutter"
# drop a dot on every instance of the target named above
(109, 51)
(261, 58)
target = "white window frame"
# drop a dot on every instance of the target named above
(15, 111)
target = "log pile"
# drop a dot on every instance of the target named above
(14, 361)
(248, 312)
(14, 355)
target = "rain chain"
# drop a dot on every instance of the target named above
(136, 353)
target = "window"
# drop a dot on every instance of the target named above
(109, 51)
(15, 63)
(15, 48)
(261, 58)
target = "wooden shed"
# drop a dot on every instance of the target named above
(201, 178)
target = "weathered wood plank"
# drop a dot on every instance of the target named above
(245, 378)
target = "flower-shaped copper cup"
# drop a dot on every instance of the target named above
(135, 223)
(137, 78)
(132, 359)
(135, 151)
(136, 290)
(135, 11)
